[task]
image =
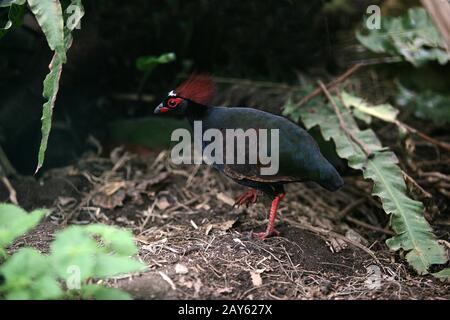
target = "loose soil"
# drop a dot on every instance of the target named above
(197, 246)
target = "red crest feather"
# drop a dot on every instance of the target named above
(198, 88)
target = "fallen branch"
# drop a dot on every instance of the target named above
(416, 185)
(11, 190)
(332, 84)
(342, 124)
(431, 140)
(5, 169)
(434, 174)
(350, 207)
(369, 226)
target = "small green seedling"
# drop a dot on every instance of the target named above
(78, 256)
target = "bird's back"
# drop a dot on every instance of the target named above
(300, 158)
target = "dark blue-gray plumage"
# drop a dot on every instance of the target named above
(300, 159)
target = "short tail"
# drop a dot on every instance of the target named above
(331, 179)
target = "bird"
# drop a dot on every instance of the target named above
(300, 159)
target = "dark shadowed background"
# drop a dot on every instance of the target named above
(276, 41)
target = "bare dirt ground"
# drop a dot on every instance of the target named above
(197, 246)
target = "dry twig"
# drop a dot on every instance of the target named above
(342, 124)
(11, 190)
(332, 84)
(443, 145)
(369, 226)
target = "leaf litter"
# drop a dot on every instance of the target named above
(219, 258)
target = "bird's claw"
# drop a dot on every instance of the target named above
(266, 234)
(247, 198)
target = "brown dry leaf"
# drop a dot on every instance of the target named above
(142, 186)
(162, 203)
(109, 202)
(225, 199)
(256, 278)
(112, 187)
(136, 196)
(225, 226)
(142, 239)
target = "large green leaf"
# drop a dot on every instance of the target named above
(50, 18)
(426, 104)
(443, 274)
(77, 254)
(9, 3)
(412, 37)
(97, 292)
(15, 222)
(26, 276)
(413, 233)
(51, 87)
(383, 111)
(73, 247)
(148, 63)
(403, 239)
(119, 241)
(113, 265)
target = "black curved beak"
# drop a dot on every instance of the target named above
(158, 108)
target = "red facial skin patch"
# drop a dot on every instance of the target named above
(172, 103)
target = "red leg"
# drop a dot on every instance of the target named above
(247, 198)
(270, 231)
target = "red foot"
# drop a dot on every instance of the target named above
(247, 198)
(265, 234)
(270, 231)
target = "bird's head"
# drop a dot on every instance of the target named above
(196, 90)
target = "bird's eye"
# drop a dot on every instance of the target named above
(172, 103)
